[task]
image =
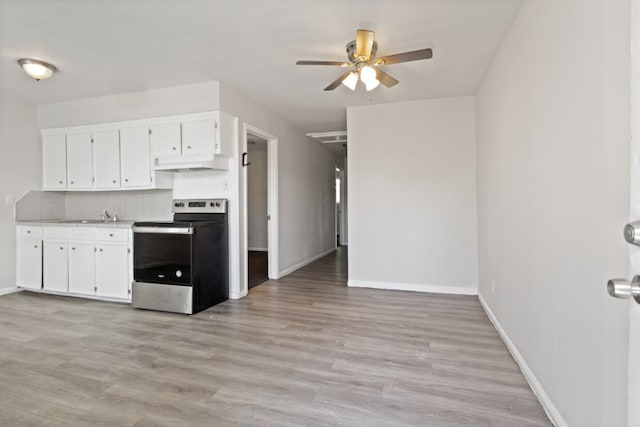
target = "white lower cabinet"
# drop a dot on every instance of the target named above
(112, 277)
(82, 268)
(55, 274)
(29, 263)
(90, 261)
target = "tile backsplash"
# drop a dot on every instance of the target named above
(128, 205)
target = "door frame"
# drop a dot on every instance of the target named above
(273, 241)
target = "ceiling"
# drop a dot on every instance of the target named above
(104, 47)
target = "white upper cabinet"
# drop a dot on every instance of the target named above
(135, 158)
(194, 141)
(54, 161)
(165, 139)
(199, 137)
(106, 159)
(79, 161)
(136, 154)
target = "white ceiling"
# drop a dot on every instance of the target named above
(104, 47)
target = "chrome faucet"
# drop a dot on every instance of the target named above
(107, 217)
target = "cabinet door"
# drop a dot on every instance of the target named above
(112, 270)
(198, 136)
(135, 157)
(29, 263)
(79, 161)
(82, 272)
(165, 140)
(54, 263)
(54, 161)
(106, 158)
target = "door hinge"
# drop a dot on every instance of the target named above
(128, 250)
(93, 179)
(215, 125)
(92, 140)
(151, 179)
(129, 291)
(95, 289)
(95, 249)
(150, 131)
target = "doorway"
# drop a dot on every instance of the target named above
(257, 211)
(259, 219)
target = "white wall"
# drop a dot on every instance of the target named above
(412, 195)
(20, 171)
(553, 190)
(257, 200)
(306, 182)
(130, 106)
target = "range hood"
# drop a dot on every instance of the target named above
(183, 164)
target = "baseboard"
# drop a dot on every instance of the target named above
(548, 406)
(7, 291)
(414, 287)
(303, 263)
(259, 249)
(238, 295)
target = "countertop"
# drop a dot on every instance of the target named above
(78, 223)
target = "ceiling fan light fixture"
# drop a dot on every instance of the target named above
(37, 69)
(371, 85)
(367, 74)
(351, 80)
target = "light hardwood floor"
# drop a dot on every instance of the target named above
(303, 350)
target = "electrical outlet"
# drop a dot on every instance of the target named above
(493, 286)
(9, 200)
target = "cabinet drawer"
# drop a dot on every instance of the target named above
(29, 231)
(82, 234)
(56, 233)
(112, 235)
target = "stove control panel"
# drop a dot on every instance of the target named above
(200, 206)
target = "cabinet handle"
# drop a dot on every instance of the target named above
(114, 181)
(173, 148)
(35, 246)
(61, 247)
(73, 249)
(188, 147)
(126, 180)
(72, 182)
(110, 234)
(59, 182)
(100, 250)
(28, 231)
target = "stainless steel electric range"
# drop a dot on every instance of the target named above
(182, 266)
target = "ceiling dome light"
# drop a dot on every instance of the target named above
(37, 69)
(351, 81)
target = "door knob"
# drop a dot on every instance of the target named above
(622, 288)
(632, 233)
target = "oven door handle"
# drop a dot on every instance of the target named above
(163, 230)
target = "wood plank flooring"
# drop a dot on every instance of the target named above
(303, 350)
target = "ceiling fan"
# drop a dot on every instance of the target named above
(362, 57)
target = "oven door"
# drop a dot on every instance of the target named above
(162, 255)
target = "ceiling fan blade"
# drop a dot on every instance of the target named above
(337, 81)
(415, 55)
(364, 43)
(385, 78)
(338, 63)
